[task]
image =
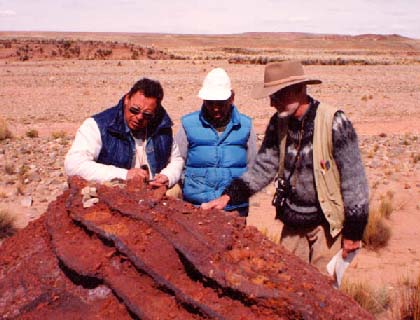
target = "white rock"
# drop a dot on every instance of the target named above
(90, 202)
(26, 202)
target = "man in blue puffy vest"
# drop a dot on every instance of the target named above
(130, 140)
(217, 143)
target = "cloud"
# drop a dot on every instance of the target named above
(7, 13)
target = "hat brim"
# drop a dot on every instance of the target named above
(260, 91)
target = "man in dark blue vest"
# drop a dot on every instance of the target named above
(217, 143)
(130, 140)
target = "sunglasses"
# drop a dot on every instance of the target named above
(146, 114)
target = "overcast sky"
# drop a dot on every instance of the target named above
(214, 16)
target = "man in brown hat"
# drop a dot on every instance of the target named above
(322, 193)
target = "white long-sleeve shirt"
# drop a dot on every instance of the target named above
(83, 154)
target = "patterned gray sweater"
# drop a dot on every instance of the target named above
(302, 207)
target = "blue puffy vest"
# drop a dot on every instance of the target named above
(119, 147)
(213, 160)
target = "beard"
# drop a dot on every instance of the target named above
(288, 110)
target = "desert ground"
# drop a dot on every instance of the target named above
(45, 99)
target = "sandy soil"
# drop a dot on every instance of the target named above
(382, 101)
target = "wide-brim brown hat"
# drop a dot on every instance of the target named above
(279, 75)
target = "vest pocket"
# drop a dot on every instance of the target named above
(195, 186)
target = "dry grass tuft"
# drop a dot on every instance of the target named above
(58, 134)
(9, 168)
(415, 157)
(377, 232)
(32, 133)
(5, 133)
(410, 302)
(374, 301)
(23, 172)
(386, 206)
(7, 224)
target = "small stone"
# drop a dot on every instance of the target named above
(92, 192)
(90, 202)
(26, 202)
(85, 191)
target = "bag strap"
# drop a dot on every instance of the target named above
(282, 136)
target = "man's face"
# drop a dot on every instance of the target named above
(139, 110)
(218, 111)
(286, 101)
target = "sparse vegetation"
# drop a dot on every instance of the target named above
(58, 134)
(377, 232)
(374, 301)
(36, 49)
(367, 97)
(410, 301)
(5, 133)
(7, 224)
(9, 168)
(415, 157)
(386, 205)
(23, 172)
(32, 133)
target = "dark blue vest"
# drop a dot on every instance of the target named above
(119, 147)
(213, 160)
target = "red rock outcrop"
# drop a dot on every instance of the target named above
(133, 253)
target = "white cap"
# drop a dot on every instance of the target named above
(216, 86)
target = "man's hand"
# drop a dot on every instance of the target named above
(137, 173)
(218, 203)
(350, 246)
(159, 181)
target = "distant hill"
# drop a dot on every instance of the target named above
(250, 47)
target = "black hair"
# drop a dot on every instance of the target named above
(150, 89)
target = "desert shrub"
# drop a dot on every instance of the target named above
(415, 157)
(32, 133)
(23, 172)
(5, 133)
(102, 53)
(377, 232)
(58, 134)
(66, 43)
(367, 97)
(135, 55)
(386, 206)
(7, 223)
(9, 168)
(374, 301)
(410, 302)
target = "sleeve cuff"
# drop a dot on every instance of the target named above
(355, 224)
(238, 191)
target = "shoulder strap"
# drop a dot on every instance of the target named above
(282, 136)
